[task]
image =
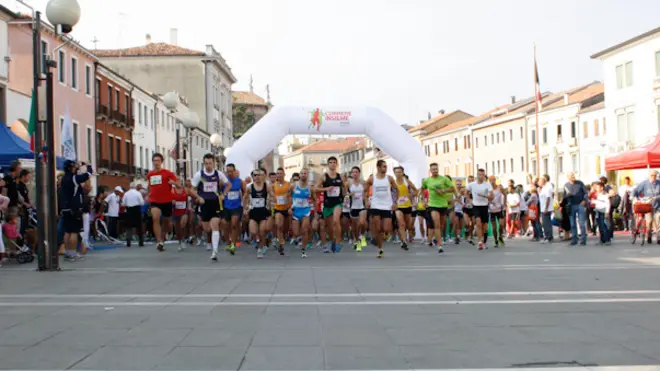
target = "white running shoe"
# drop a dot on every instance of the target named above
(214, 256)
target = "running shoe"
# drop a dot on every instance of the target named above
(303, 255)
(239, 244)
(497, 245)
(260, 253)
(502, 241)
(404, 246)
(381, 254)
(309, 246)
(231, 249)
(181, 247)
(208, 247)
(440, 249)
(214, 256)
(326, 250)
(457, 240)
(358, 248)
(338, 247)
(160, 247)
(264, 250)
(481, 246)
(281, 250)
(363, 241)
(333, 248)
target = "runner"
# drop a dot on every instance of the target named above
(481, 192)
(439, 188)
(421, 216)
(346, 218)
(300, 193)
(497, 213)
(233, 210)
(179, 215)
(459, 204)
(318, 225)
(255, 205)
(358, 212)
(160, 198)
(404, 204)
(381, 204)
(282, 202)
(331, 184)
(207, 182)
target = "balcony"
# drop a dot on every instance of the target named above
(102, 111)
(131, 122)
(119, 118)
(119, 167)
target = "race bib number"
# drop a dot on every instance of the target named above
(334, 192)
(281, 200)
(233, 195)
(258, 202)
(156, 180)
(180, 205)
(403, 200)
(300, 203)
(210, 187)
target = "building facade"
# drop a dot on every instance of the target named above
(436, 123)
(451, 148)
(203, 77)
(315, 156)
(592, 132)
(114, 128)
(353, 156)
(73, 84)
(144, 132)
(631, 73)
(5, 16)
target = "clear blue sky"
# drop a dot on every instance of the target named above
(407, 57)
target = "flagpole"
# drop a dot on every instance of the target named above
(537, 94)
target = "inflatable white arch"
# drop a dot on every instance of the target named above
(389, 136)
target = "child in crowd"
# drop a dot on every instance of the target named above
(601, 206)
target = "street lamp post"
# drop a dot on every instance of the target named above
(190, 120)
(216, 141)
(171, 102)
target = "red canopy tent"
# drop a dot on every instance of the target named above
(643, 157)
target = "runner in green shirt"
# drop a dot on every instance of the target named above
(441, 190)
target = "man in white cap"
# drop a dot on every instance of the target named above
(133, 202)
(112, 214)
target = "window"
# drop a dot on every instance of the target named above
(117, 100)
(89, 144)
(512, 165)
(629, 74)
(111, 152)
(503, 166)
(147, 162)
(511, 134)
(146, 116)
(436, 148)
(44, 56)
(97, 92)
(498, 137)
(503, 137)
(585, 127)
(127, 104)
(141, 159)
(545, 135)
(560, 164)
(522, 163)
(99, 145)
(74, 73)
(574, 162)
(162, 118)
(109, 97)
(493, 165)
(657, 63)
(596, 128)
(533, 137)
(499, 168)
(630, 124)
(621, 126)
(597, 161)
(534, 168)
(619, 77)
(573, 129)
(455, 144)
(476, 141)
(486, 168)
(469, 141)
(558, 131)
(75, 137)
(151, 116)
(545, 165)
(522, 134)
(486, 140)
(139, 113)
(61, 67)
(197, 141)
(118, 149)
(604, 126)
(88, 80)
(61, 129)
(492, 139)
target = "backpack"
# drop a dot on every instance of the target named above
(615, 202)
(533, 212)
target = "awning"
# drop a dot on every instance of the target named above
(642, 157)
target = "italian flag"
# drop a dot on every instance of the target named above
(32, 125)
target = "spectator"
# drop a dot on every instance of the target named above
(626, 210)
(24, 178)
(112, 214)
(133, 201)
(576, 196)
(650, 188)
(72, 206)
(602, 207)
(546, 196)
(11, 180)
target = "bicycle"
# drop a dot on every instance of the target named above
(641, 207)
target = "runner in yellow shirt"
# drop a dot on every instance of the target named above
(404, 204)
(282, 206)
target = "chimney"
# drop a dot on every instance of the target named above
(174, 36)
(565, 98)
(442, 112)
(148, 39)
(513, 99)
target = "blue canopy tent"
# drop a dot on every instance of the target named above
(12, 147)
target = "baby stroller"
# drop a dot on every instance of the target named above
(15, 246)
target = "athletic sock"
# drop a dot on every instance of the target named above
(215, 240)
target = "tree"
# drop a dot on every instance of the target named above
(242, 119)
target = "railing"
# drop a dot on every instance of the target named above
(104, 164)
(102, 110)
(131, 122)
(119, 117)
(117, 166)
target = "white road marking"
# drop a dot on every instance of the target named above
(572, 368)
(454, 268)
(335, 295)
(326, 303)
(652, 261)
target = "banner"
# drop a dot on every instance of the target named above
(68, 146)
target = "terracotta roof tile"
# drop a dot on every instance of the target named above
(152, 49)
(594, 107)
(247, 97)
(432, 121)
(578, 95)
(468, 121)
(333, 145)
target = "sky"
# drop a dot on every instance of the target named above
(406, 57)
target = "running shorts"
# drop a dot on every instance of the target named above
(355, 213)
(329, 210)
(405, 210)
(259, 215)
(228, 213)
(441, 210)
(210, 210)
(165, 209)
(299, 214)
(481, 213)
(383, 214)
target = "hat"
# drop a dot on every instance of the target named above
(119, 189)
